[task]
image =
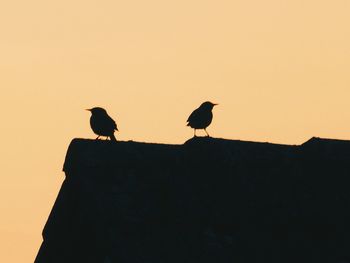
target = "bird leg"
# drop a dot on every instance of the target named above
(206, 132)
(97, 137)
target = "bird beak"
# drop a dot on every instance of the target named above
(215, 104)
(88, 109)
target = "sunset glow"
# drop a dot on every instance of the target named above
(278, 69)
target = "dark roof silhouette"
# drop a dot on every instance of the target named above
(209, 200)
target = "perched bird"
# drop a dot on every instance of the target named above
(201, 117)
(102, 124)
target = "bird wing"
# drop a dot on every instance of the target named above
(193, 116)
(108, 122)
(113, 123)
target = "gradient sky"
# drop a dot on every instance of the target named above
(280, 71)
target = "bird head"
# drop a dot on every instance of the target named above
(208, 105)
(97, 110)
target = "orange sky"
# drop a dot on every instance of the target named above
(278, 69)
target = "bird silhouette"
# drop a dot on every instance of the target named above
(102, 124)
(201, 118)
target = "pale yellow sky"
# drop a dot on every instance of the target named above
(278, 69)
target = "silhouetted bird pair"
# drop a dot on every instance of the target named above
(103, 125)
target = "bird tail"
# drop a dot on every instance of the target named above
(112, 137)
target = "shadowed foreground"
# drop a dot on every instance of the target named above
(209, 200)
